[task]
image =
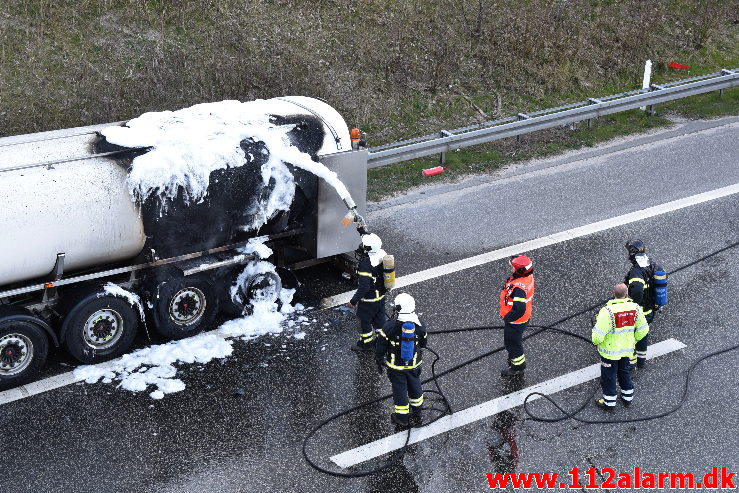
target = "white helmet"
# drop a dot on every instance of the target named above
(405, 303)
(371, 243)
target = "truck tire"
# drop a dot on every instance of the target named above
(184, 306)
(288, 278)
(261, 286)
(24, 347)
(99, 327)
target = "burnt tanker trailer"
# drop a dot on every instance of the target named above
(163, 221)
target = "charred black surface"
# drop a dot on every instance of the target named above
(307, 133)
(235, 197)
(101, 145)
(308, 136)
(177, 226)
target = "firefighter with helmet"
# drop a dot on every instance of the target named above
(369, 298)
(398, 349)
(515, 309)
(640, 281)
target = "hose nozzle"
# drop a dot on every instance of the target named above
(352, 216)
(347, 219)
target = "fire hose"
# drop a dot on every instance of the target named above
(447, 408)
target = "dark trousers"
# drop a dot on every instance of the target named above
(372, 316)
(612, 370)
(640, 353)
(407, 391)
(513, 341)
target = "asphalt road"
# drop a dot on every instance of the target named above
(240, 423)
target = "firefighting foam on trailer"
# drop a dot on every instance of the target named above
(178, 216)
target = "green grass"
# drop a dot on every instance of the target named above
(390, 180)
(711, 105)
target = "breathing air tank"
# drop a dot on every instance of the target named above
(660, 286)
(408, 342)
(388, 271)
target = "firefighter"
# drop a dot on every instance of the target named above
(398, 349)
(369, 299)
(618, 327)
(515, 308)
(640, 280)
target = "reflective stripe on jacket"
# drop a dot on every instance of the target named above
(507, 298)
(618, 326)
(370, 283)
(640, 290)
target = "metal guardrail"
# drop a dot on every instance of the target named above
(449, 140)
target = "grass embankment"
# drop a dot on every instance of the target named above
(394, 69)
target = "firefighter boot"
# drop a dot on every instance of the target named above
(602, 404)
(359, 347)
(511, 371)
(399, 419)
(416, 414)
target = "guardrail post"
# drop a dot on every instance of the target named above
(592, 101)
(724, 72)
(653, 87)
(442, 155)
(521, 116)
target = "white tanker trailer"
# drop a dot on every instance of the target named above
(107, 227)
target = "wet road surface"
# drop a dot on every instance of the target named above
(239, 424)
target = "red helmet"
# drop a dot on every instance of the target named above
(522, 264)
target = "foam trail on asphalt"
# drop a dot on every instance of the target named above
(61, 380)
(484, 410)
(544, 241)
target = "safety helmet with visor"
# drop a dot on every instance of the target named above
(371, 243)
(522, 265)
(635, 247)
(404, 303)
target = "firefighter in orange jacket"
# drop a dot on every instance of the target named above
(515, 309)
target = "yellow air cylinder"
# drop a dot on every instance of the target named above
(388, 271)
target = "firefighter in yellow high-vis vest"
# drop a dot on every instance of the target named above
(618, 326)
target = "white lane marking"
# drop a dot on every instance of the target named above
(544, 241)
(424, 275)
(51, 383)
(61, 380)
(486, 409)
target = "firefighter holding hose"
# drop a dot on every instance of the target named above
(369, 299)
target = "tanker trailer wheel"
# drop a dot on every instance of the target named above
(99, 327)
(261, 284)
(23, 350)
(183, 306)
